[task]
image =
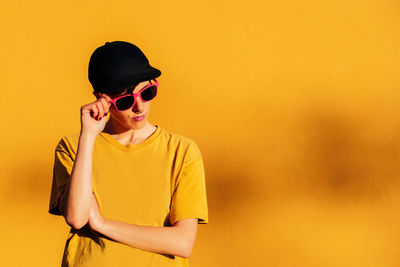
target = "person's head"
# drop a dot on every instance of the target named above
(120, 68)
(130, 106)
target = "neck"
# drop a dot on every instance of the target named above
(130, 136)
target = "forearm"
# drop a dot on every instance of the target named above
(168, 240)
(77, 197)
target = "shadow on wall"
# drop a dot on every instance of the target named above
(338, 156)
(234, 188)
(28, 182)
(345, 157)
(227, 191)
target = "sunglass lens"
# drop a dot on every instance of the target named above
(124, 102)
(149, 93)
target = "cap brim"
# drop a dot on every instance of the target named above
(149, 74)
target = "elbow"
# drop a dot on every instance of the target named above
(76, 223)
(72, 220)
(186, 249)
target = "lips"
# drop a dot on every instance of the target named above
(139, 118)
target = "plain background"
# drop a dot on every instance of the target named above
(294, 105)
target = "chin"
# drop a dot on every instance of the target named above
(138, 124)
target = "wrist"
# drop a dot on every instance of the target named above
(88, 136)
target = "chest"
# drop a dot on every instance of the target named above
(134, 187)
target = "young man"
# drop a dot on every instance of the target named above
(132, 192)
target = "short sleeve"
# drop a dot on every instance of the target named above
(189, 199)
(63, 163)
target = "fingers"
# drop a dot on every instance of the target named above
(100, 109)
(103, 106)
(107, 98)
(106, 105)
(93, 111)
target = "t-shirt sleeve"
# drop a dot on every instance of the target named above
(189, 199)
(63, 163)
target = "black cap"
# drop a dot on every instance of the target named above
(119, 64)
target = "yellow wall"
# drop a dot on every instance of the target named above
(294, 105)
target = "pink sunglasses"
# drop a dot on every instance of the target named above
(127, 101)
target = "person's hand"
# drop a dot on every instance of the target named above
(96, 220)
(94, 115)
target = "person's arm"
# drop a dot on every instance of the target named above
(177, 239)
(76, 200)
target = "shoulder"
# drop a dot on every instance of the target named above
(68, 144)
(183, 144)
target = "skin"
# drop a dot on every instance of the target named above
(78, 203)
(121, 124)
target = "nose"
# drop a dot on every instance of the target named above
(139, 106)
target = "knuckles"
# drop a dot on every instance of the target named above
(100, 103)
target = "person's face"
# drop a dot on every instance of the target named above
(133, 118)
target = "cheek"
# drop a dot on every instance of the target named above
(120, 116)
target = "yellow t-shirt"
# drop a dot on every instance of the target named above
(154, 183)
